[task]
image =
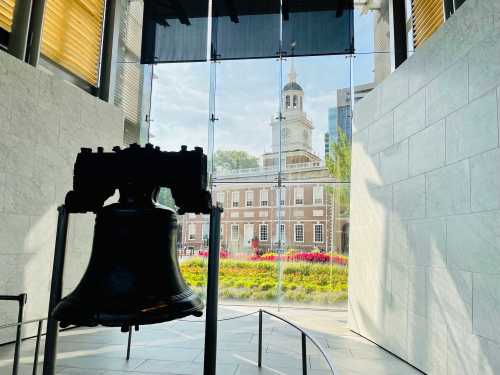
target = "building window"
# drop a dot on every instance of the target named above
(318, 233)
(318, 194)
(287, 101)
(264, 198)
(192, 232)
(300, 103)
(222, 232)
(299, 196)
(220, 198)
(235, 232)
(235, 198)
(263, 233)
(280, 233)
(299, 232)
(249, 198)
(281, 196)
(295, 101)
(66, 43)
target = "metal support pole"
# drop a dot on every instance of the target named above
(109, 47)
(35, 37)
(260, 339)
(50, 353)
(210, 364)
(129, 342)
(399, 29)
(19, 332)
(18, 39)
(37, 346)
(304, 354)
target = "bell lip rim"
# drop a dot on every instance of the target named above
(157, 318)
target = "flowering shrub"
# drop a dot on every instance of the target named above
(303, 257)
(223, 254)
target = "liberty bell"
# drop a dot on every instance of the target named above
(133, 275)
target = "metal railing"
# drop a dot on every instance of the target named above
(21, 300)
(304, 336)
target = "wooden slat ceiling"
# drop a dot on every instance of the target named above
(428, 16)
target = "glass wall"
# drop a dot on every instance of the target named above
(277, 132)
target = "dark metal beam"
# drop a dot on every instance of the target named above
(18, 39)
(399, 31)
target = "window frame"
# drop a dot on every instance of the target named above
(191, 233)
(261, 227)
(235, 203)
(233, 226)
(262, 192)
(221, 201)
(295, 227)
(296, 195)
(249, 193)
(321, 200)
(318, 225)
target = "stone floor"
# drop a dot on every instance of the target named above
(177, 348)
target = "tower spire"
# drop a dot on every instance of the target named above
(292, 75)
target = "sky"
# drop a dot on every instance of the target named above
(247, 96)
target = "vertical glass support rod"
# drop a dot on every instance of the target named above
(280, 162)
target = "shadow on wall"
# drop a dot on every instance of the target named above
(404, 294)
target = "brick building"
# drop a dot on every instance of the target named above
(288, 203)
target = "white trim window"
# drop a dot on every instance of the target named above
(192, 232)
(235, 199)
(222, 232)
(318, 194)
(220, 198)
(235, 232)
(264, 198)
(249, 198)
(299, 232)
(298, 196)
(318, 233)
(263, 233)
(282, 229)
(281, 198)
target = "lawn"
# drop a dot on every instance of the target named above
(303, 282)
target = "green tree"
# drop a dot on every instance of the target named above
(338, 164)
(234, 159)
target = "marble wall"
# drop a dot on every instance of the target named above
(424, 276)
(43, 123)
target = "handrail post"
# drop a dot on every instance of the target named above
(304, 354)
(17, 351)
(210, 358)
(56, 286)
(37, 346)
(129, 342)
(260, 339)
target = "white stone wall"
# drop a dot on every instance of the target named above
(43, 123)
(425, 218)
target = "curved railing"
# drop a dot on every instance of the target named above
(304, 336)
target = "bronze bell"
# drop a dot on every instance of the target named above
(133, 275)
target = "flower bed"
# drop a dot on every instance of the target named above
(302, 282)
(290, 256)
(303, 257)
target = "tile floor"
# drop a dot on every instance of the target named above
(177, 348)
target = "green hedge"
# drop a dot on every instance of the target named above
(244, 279)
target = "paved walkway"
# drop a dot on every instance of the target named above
(177, 348)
